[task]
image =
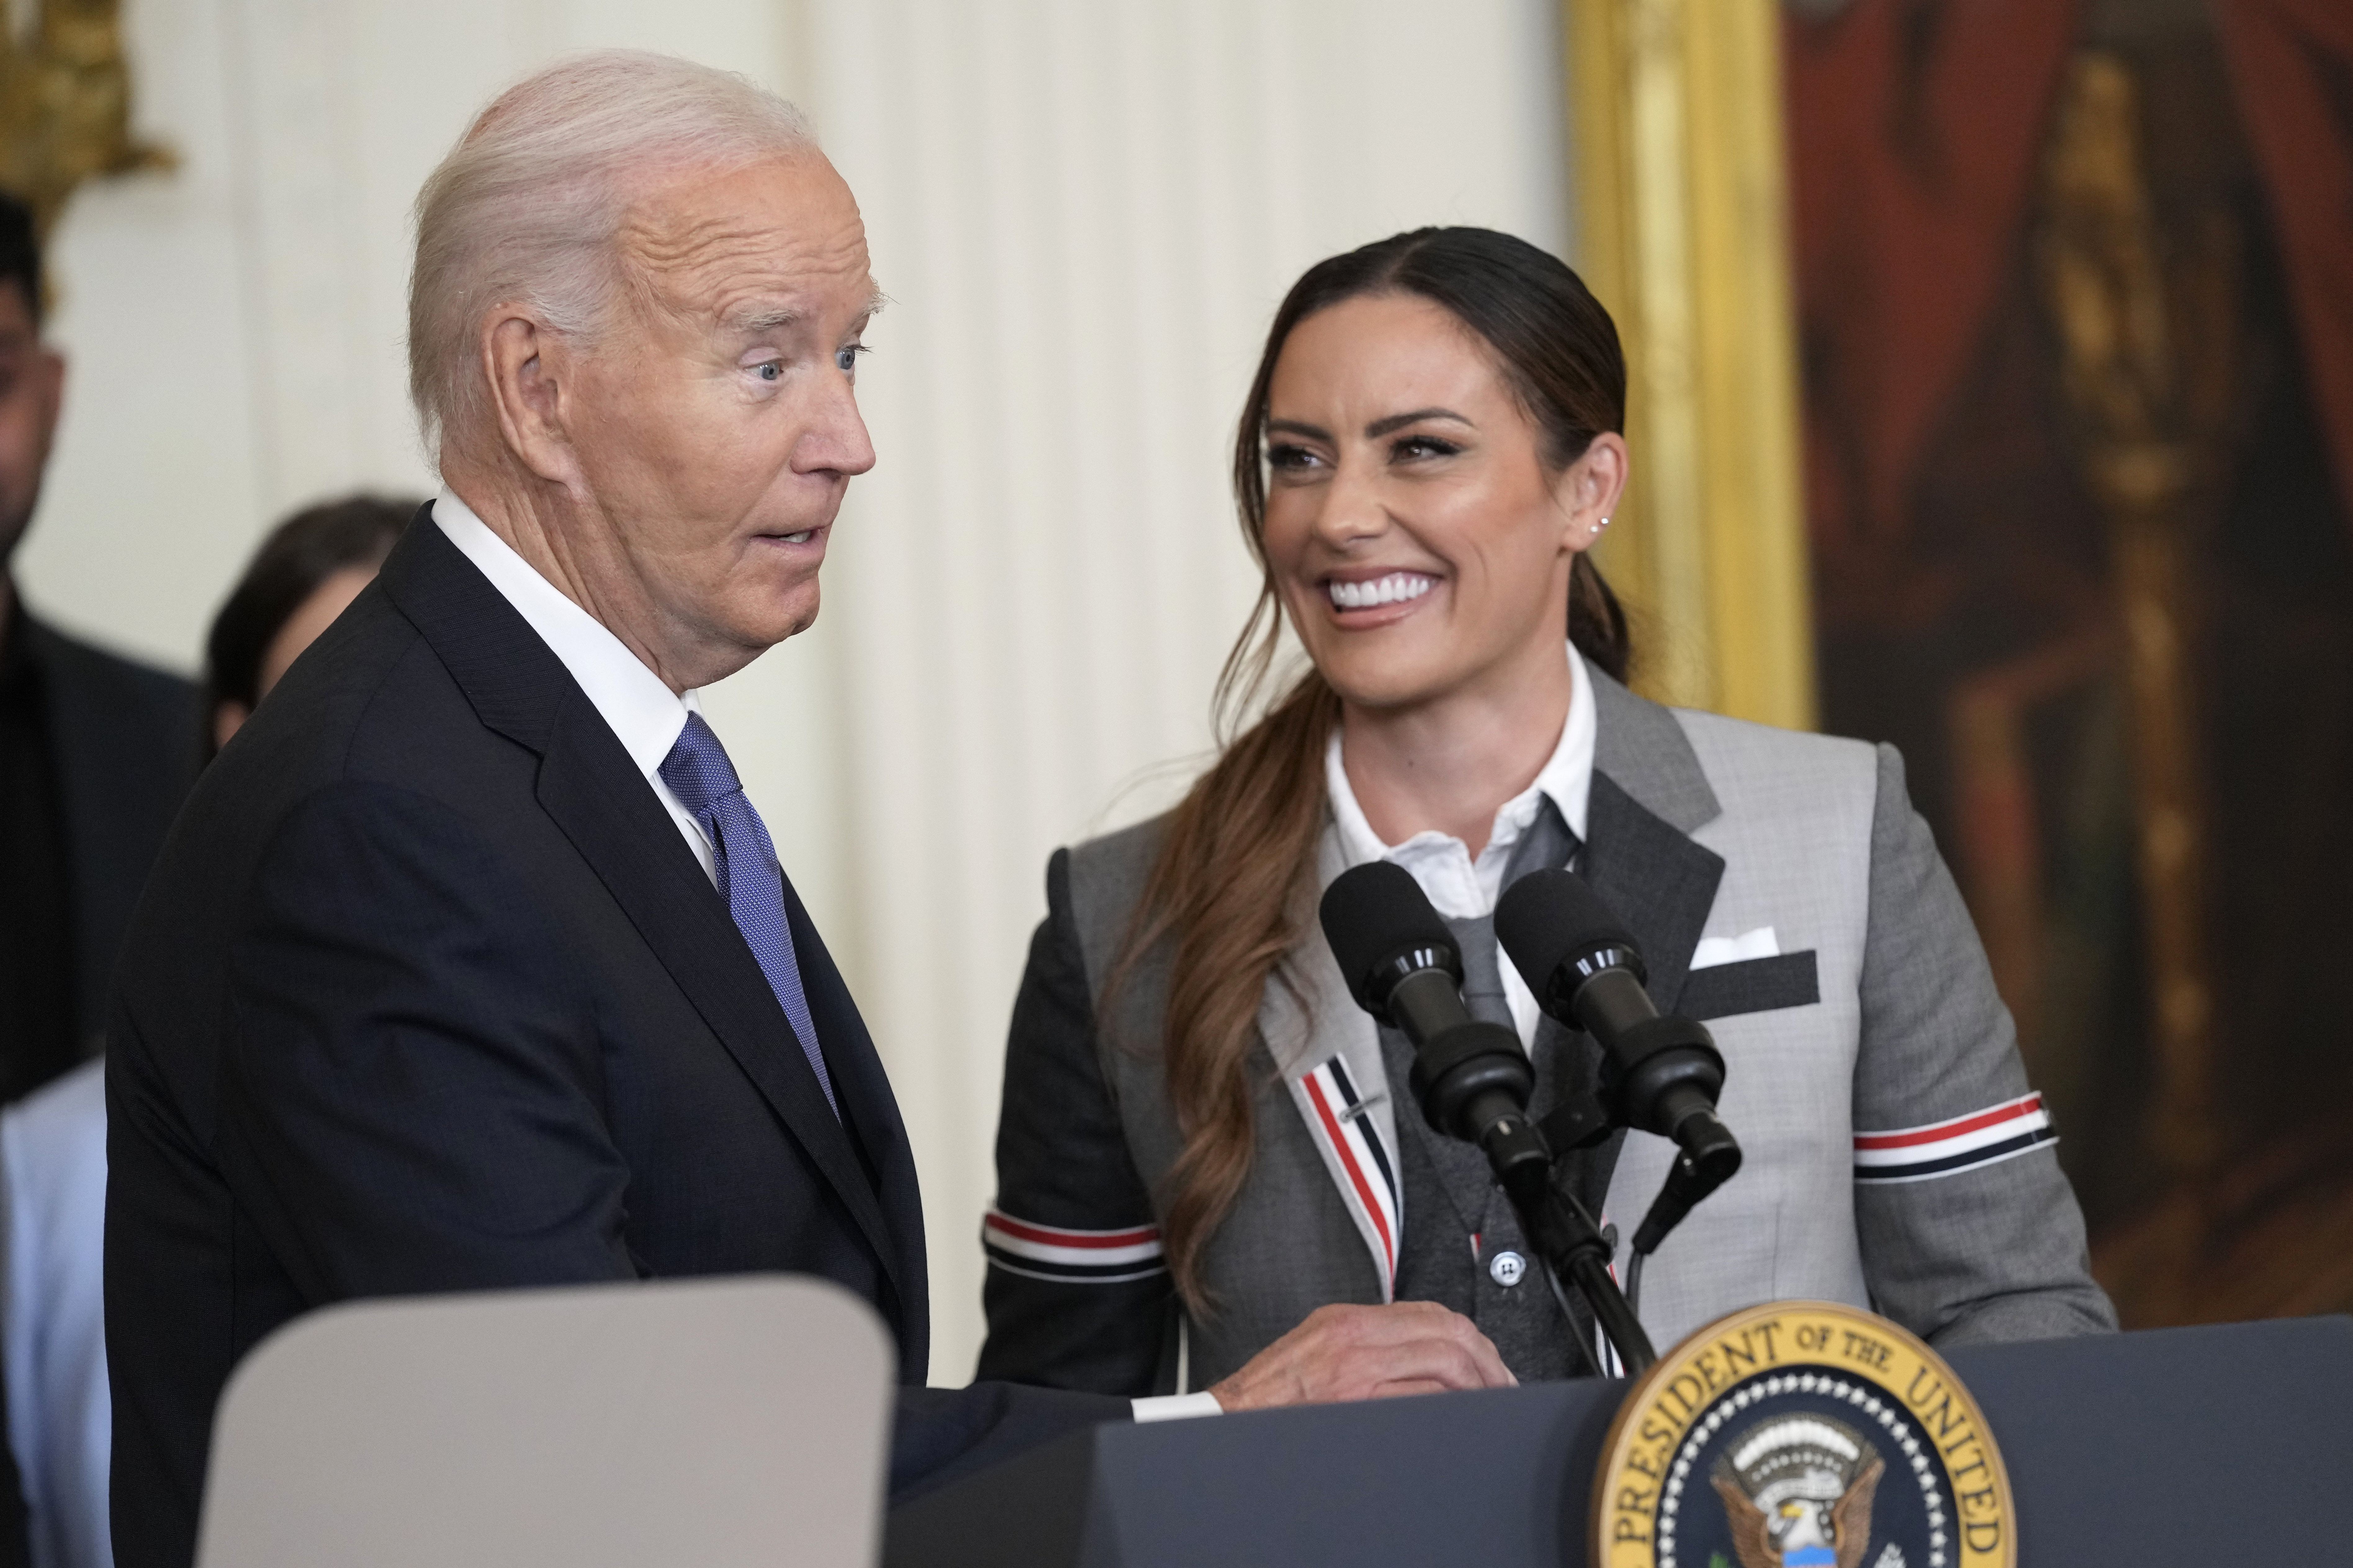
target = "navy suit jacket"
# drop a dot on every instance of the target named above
(428, 994)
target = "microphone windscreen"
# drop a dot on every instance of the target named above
(1547, 917)
(1373, 912)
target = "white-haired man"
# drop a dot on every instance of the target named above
(469, 964)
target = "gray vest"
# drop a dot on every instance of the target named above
(1463, 1246)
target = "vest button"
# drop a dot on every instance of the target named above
(1505, 1268)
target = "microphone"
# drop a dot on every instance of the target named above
(1660, 1074)
(1470, 1077)
(1473, 1081)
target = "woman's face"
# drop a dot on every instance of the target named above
(1418, 541)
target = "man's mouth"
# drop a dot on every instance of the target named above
(1395, 588)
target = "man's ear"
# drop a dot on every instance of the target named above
(529, 369)
(1587, 490)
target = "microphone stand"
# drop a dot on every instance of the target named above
(1566, 1238)
(1661, 1072)
(1472, 1081)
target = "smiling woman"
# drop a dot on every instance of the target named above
(1430, 446)
(1404, 379)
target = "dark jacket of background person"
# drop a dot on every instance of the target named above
(428, 994)
(96, 751)
(95, 754)
(53, 1141)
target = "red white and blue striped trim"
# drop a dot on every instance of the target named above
(1946, 1147)
(1071, 1256)
(1356, 1144)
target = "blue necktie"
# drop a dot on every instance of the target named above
(698, 774)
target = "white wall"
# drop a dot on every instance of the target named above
(1083, 212)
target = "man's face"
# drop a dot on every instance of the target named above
(716, 427)
(31, 379)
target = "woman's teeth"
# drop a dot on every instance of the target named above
(1395, 588)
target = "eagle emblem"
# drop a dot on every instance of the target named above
(1798, 1492)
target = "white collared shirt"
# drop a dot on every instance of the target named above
(1459, 887)
(645, 715)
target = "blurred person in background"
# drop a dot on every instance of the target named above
(52, 1143)
(303, 576)
(95, 751)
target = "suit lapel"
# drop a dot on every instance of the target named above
(611, 816)
(1322, 1045)
(1379, 1060)
(1661, 883)
(871, 1111)
(596, 795)
(1327, 1052)
(1649, 793)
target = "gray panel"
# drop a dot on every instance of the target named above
(719, 1423)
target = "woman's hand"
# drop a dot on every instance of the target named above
(1367, 1352)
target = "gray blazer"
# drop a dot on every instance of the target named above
(1896, 1156)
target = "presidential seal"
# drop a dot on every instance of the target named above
(1802, 1434)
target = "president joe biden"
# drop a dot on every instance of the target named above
(469, 964)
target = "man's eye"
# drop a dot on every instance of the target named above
(769, 370)
(846, 360)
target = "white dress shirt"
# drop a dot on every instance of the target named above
(1459, 887)
(645, 715)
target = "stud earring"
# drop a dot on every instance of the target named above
(1600, 526)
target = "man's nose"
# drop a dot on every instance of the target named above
(836, 440)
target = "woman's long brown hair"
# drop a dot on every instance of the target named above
(1234, 885)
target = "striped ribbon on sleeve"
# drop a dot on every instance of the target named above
(1948, 1148)
(1071, 1256)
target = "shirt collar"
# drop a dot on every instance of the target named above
(642, 710)
(1566, 779)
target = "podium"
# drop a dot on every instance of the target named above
(2198, 1446)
